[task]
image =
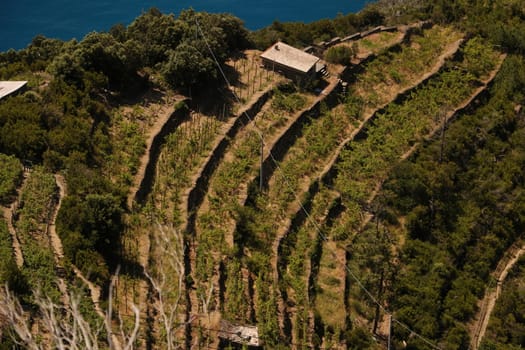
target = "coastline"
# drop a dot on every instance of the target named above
(22, 21)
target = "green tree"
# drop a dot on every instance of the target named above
(341, 54)
(187, 67)
(156, 33)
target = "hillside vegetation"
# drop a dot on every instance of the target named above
(147, 201)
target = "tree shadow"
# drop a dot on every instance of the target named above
(217, 99)
(131, 268)
(145, 96)
(319, 86)
(213, 101)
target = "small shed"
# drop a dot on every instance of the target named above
(242, 335)
(292, 62)
(9, 87)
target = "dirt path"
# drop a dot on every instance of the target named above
(491, 296)
(8, 216)
(163, 116)
(56, 243)
(58, 251)
(94, 292)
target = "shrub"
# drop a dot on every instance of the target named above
(10, 176)
(340, 54)
(288, 103)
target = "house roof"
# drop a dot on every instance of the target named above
(289, 56)
(8, 87)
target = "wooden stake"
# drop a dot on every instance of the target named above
(389, 331)
(261, 167)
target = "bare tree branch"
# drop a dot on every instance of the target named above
(169, 246)
(65, 327)
(13, 313)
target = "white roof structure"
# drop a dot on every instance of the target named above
(8, 87)
(289, 56)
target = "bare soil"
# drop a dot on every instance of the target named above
(54, 239)
(8, 216)
(161, 113)
(56, 243)
(17, 250)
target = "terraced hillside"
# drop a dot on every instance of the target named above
(455, 175)
(379, 206)
(267, 245)
(300, 170)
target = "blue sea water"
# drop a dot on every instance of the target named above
(21, 20)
